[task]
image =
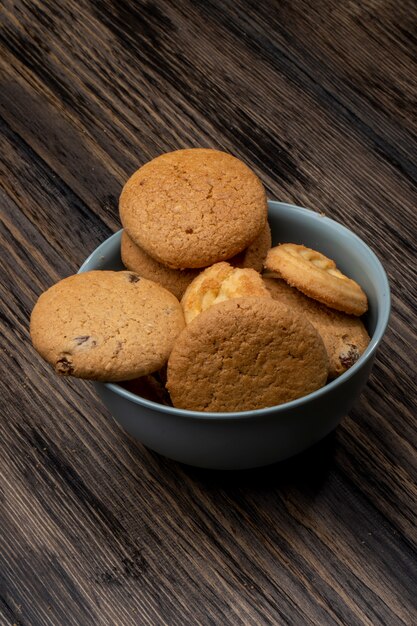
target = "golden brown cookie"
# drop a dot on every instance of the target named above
(317, 277)
(245, 354)
(220, 282)
(344, 336)
(137, 260)
(192, 208)
(107, 326)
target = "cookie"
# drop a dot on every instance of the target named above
(344, 336)
(193, 208)
(107, 326)
(134, 258)
(220, 282)
(244, 354)
(255, 254)
(137, 260)
(148, 387)
(317, 277)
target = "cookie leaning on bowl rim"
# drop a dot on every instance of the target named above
(245, 354)
(317, 277)
(344, 336)
(105, 325)
(192, 208)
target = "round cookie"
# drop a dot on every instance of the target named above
(137, 260)
(107, 326)
(192, 208)
(245, 354)
(220, 282)
(344, 336)
(317, 277)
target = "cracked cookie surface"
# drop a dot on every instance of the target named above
(107, 326)
(344, 336)
(245, 354)
(317, 277)
(192, 208)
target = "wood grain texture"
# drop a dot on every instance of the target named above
(320, 99)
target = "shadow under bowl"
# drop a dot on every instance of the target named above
(250, 439)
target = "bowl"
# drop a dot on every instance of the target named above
(248, 439)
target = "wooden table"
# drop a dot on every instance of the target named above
(320, 99)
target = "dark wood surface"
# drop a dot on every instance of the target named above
(320, 99)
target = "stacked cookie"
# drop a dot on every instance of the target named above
(253, 341)
(195, 229)
(309, 283)
(182, 212)
(186, 210)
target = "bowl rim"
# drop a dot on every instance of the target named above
(376, 338)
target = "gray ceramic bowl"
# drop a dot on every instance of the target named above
(254, 438)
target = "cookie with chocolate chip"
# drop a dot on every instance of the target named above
(107, 326)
